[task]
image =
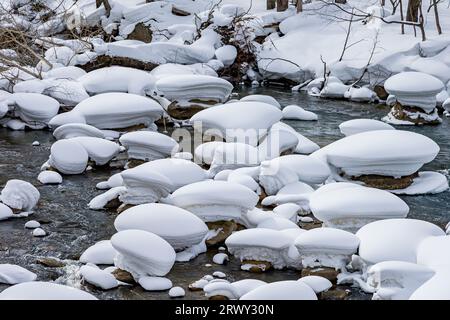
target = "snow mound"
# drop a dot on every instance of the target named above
(356, 126)
(44, 291)
(99, 150)
(20, 195)
(13, 274)
(262, 98)
(35, 109)
(293, 112)
(68, 157)
(49, 177)
(317, 283)
(148, 146)
(101, 252)
(304, 146)
(98, 277)
(233, 290)
(155, 283)
(281, 290)
(72, 130)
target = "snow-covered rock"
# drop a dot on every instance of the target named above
(293, 112)
(281, 290)
(176, 292)
(72, 130)
(37, 290)
(304, 146)
(99, 150)
(68, 157)
(155, 283)
(317, 283)
(227, 54)
(101, 252)
(233, 290)
(98, 277)
(262, 98)
(20, 195)
(35, 109)
(5, 212)
(49, 177)
(14, 274)
(148, 146)
(355, 126)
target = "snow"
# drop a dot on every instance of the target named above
(142, 253)
(426, 183)
(383, 152)
(187, 87)
(70, 73)
(32, 224)
(147, 145)
(262, 98)
(363, 94)
(281, 290)
(170, 69)
(44, 291)
(434, 289)
(72, 130)
(356, 126)
(394, 239)
(287, 211)
(326, 247)
(293, 112)
(317, 283)
(14, 274)
(98, 277)
(49, 177)
(101, 252)
(155, 283)
(232, 290)
(38, 232)
(99, 150)
(255, 118)
(219, 274)
(297, 193)
(67, 118)
(99, 202)
(180, 228)
(226, 54)
(304, 146)
(415, 89)
(220, 258)
(20, 195)
(277, 223)
(177, 292)
(204, 152)
(277, 142)
(214, 200)
(35, 109)
(351, 207)
(433, 252)
(114, 181)
(68, 157)
(5, 212)
(233, 155)
(120, 79)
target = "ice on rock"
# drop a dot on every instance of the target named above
(214, 200)
(397, 280)
(227, 54)
(99, 150)
(49, 177)
(261, 245)
(14, 274)
(284, 170)
(351, 207)
(277, 223)
(98, 277)
(434, 252)
(262, 98)
(415, 89)
(142, 253)
(186, 87)
(393, 153)
(177, 292)
(119, 79)
(20, 195)
(37, 290)
(317, 283)
(436, 288)
(177, 226)
(101, 252)
(68, 157)
(148, 146)
(5, 212)
(72, 130)
(356, 126)
(155, 283)
(293, 112)
(253, 122)
(326, 247)
(304, 146)
(34, 109)
(38, 232)
(220, 258)
(394, 239)
(281, 290)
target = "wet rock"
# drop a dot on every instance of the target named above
(51, 262)
(334, 294)
(414, 115)
(113, 204)
(124, 207)
(184, 111)
(142, 33)
(218, 297)
(255, 266)
(310, 225)
(133, 163)
(381, 92)
(226, 229)
(328, 273)
(386, 183)
(123, 276)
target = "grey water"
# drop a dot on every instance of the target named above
(72, 227)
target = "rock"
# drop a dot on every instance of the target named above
(226, 229)
(123, 276)
(334, 294)
(142, 33)
(38, 232)
(381, 92)
(124, 207)
(51, 262)
(181, 111)
(414, 115)
(310, 225)
(133, 163)
(177, 292)
(254, 266)
(179, 12)
(32, 224)
(113, 204)
(218, 297)
(328, 273)
(385, 182)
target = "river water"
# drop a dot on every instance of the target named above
(72, 227)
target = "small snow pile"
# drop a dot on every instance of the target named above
(38, 232)
(13, 274)
(98, 277)
(317, 283)
(44, 291)
(350, 206)
(214, 200)
(277, 223)
(49, 177)
(304, 146)
(226, 54)
(231, 156)
(262, 98)
(177, 292)
(119, 79)
(72, 130)
(101, 252)
(436, 288)
(293, 112)
(5, 212)
(155, 283)
(281, 290)
(99, 150)
(20, 195)
(394, 239)
(180, 228)
(245, 122)
(142, 253)
(284, 170)
(326, 247)
(68, 157)
(295, 193)
(233, 290)
(356, 126)
(413, 90)
(434, 252)
(112, 110)
(220, 258)
(363, 94)
(148, 146)
(32, 224)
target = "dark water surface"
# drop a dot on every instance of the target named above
(72, 227)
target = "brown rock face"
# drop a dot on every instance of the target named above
(381, 92)
(225, 227)
(385, 182)
(218, 297)
(334, 294)
(107, 61)
(123, 276)
(326, 272)
(186, 111)
(51, 262)
(257, 266)
(142, 33)
(124, 207)
(132, 163)
(398, 111)
(113, 204)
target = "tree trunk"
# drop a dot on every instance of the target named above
(421, 23)
(436, 16)
(282, 5)
(341, 1)
(402, 26)
(412, 13)
(299, 6)
(270, 4)
(105, 3)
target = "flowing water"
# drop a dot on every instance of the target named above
(72, 227)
